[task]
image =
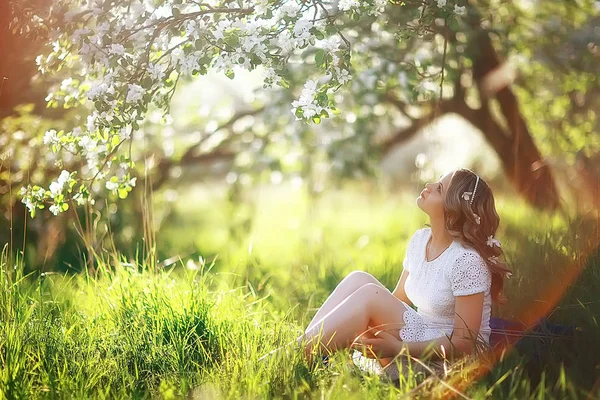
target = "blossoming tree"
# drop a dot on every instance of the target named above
(125, 56)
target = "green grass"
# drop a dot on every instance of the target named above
(198, 329)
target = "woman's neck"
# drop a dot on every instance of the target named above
(440, 238)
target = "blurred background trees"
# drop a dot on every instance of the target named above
(519, 83)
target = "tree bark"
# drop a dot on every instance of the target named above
(20, 43)
(521, 160)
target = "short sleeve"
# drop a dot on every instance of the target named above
(405, 262)
(470, 274)
(410, 248)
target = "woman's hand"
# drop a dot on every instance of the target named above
(379, 345)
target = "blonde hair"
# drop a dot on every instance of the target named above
(461, 224)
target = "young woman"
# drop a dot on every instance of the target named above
(452, 272)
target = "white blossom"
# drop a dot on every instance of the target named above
(343, 76)
(458, 10)
(112, 186)
(91, 122)
(441, 3)
(331, 44)
(491, 241)
(289, 9)
(79, 199)
(125, 132)
(51, 137)
(28, 203)
(64, 177)
(220, 29)
(80, 32)
(270, 77)
(307, 102)
(427, 86)
(195, 29)
(493, 259)
(87, 143)
(345, 5)
(302, 29)
(379, 7)
(187, 64)
(57, 187)
(116, 48)
(135, 93)
(261, 7)
(97, 90)
(54, 209)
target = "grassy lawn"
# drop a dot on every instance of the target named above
(198, 327)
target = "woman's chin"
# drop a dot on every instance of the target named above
(420, 202)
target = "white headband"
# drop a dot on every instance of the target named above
(474, 190)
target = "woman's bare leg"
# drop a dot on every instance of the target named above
(353, 281)
(370, 305)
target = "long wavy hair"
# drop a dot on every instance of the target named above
(461, 222)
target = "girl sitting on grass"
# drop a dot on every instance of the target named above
(452, 272)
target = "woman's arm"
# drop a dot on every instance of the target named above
(467, 320)
(399, 291)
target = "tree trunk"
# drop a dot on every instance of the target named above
(20, 43)
(521, 160)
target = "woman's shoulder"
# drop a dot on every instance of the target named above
(422, 231)
(463, 252)
(420, 234)
(417, 237)
(468, 270)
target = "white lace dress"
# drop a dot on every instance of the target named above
(432, 286)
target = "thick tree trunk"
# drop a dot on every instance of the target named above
(521, 160)
(19, 46)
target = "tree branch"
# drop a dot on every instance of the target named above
(438, 108)
(190, 157)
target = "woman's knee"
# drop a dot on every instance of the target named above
(358, 279)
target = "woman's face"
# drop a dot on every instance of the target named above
(431, 199)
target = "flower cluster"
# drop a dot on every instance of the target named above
(132, 54)
(63, 185)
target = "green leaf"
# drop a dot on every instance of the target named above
(230, 74)
(322, 98)
(453, 24)
(123, 193)
(319, 57)
(176, 12)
